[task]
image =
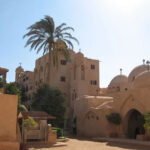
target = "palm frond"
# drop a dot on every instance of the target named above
(73, 38)
(69, 43)
(41, 46)
(43, 35)
(60, 26)
(35, 42)
(50, 23)
(67, 28)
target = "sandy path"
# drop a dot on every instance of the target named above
(80, 144)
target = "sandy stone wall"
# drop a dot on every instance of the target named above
(8, 116)
(9, 133)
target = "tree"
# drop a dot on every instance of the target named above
(52, 101)
(114, 118)
(43, 35)
(1, 82)
(12, 88)
(147, 121)
(29, 123)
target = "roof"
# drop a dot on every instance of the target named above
(3, 70)
(136, 71)
(142, 80)
(119, 79)
(35, 115)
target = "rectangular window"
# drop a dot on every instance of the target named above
(63, 79)
(93, 67)
(63, 62)
(93, 82)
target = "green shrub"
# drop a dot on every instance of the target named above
(59, 131)
(1, 82)
(28, 123)
(114, 118)
(147, 121)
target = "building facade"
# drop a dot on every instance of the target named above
(126, 95)
(77, 77)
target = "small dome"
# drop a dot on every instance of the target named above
(79, 55)
(118, 80)
(136, 71)
(19, 69)
(118, 83)
(142, 80)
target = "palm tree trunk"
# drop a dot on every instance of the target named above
(49, 65)
(50, 58)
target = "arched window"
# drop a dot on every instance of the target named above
(82, 72)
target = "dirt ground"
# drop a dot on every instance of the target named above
(82, 144)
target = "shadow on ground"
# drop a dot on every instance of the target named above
(128, 146)
(114, 144)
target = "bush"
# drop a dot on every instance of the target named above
(147, 121)
(1, 82)
(114, 118)
(59, 131)
(29, 123)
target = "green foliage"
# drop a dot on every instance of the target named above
(43, 35)
(147, 121)
(1, 82)
(52, 101)
(141, 120)
(29, 123)
(12, 88)
(114, 118)
(22, 108)
(59, 132)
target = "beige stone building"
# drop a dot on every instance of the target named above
(10, 137)
(127, 95)
(77, 77)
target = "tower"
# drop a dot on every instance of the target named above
(19, 70)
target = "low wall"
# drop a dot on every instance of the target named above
(8, 122)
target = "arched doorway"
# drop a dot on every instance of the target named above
(135, 122)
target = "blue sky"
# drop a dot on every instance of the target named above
(117, 32)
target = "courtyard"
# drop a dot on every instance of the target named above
(85, 144)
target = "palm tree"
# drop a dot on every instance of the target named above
(43, 35)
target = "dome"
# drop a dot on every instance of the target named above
(118, 83)
(136, 71)
(142, 80)
(118, 80)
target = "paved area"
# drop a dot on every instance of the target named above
(85, 144)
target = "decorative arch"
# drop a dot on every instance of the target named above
(131, 103)
(132, 126)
